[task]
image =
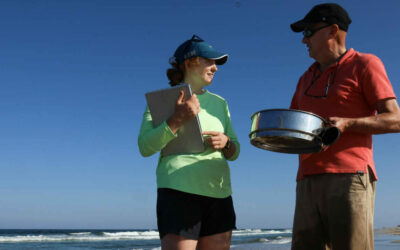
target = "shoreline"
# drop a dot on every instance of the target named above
(390, 230)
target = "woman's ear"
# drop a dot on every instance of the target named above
(187, 64)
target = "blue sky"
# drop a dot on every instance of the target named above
(72, 80)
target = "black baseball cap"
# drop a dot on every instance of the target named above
(330, 13)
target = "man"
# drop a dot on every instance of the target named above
(336, 187)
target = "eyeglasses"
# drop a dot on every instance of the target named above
(307, 33)
(331, 76)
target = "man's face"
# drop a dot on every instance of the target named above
(315, 37)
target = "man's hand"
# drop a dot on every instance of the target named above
(341, 123)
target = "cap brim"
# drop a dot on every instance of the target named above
(298, 26)
(220, 58)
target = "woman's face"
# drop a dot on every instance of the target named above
(203, 72)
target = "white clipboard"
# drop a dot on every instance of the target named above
(162, 106)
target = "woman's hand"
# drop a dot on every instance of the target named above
(216, 140)
(184, 111)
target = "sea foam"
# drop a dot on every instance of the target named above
(82, 236)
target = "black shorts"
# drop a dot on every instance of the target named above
(193, 216)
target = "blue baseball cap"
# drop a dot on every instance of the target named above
(197, 47)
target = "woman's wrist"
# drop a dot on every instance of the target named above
(229, 149)
(174, 123)
(228, 144)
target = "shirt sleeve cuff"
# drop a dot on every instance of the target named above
(167, 134)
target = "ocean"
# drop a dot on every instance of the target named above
(277, 239)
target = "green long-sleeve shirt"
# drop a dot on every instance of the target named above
(205, 173)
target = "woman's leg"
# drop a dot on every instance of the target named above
(221, 241)
(177, 242)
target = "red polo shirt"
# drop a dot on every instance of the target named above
(357, 82)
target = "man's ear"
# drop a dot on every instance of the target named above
(334, 30)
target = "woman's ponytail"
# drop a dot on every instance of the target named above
(175, 75)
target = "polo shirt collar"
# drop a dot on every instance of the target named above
(350, 52)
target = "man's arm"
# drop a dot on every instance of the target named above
(386, 121)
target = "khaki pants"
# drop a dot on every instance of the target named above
(334, 211)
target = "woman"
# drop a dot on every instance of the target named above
(194, 203)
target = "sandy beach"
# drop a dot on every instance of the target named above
(390, 230)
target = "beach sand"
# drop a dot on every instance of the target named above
(390, 230)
